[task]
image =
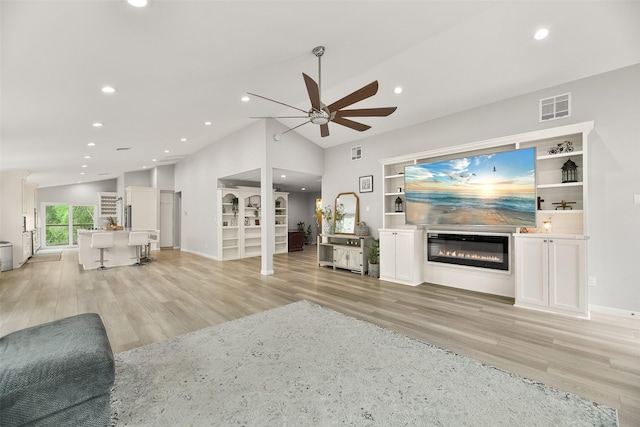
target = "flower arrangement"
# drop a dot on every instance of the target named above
(327, 213)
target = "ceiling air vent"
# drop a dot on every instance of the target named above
(556, 107)
(356, 152)
(123, 148)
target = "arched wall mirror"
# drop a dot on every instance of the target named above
(346, 213)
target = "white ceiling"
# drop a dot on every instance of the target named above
(176, 64)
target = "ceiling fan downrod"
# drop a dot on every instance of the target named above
(318, 51)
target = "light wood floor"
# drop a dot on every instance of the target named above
(598, 359)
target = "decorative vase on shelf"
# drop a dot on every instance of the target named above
(328, 228)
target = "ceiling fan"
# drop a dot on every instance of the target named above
(321, 114)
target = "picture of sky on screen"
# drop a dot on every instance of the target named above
(491, 189)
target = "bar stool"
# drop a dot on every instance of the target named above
(102, 241)
(139, 239)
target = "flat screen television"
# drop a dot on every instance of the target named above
(490, 190)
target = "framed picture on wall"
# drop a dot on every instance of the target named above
(366, 184)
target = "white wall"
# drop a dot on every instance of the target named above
(302, 207)
(611, 100)
(76, 194)
(162, 177)
(249, 149)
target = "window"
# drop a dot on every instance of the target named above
(62, 223)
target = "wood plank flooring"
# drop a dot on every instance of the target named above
(598, 359)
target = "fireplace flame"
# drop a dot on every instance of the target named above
(469, 255)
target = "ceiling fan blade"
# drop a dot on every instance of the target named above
(366, 112)
(277, 102)
(314, 92)
(351, 124)
(295, 127)
(279, 117)
(362, 93)
(324, 130)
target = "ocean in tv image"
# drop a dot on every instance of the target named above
(492, 189)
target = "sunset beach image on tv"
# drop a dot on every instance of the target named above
(494, 189)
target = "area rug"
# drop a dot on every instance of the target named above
(304, 365)
(46, 257)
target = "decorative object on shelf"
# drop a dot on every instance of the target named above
(561, 147)
(247, 221)
(547, 226)
(399, 204)
(362, 229)
(399, 189)
(569, 171)
(540, 200)
(524, 230)
(234, 206)
(257, 222)
(564, 205)
(366, 184)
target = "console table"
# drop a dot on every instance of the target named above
(344, 251)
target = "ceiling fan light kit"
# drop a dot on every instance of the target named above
(321, 114)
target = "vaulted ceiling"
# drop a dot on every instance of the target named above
(178, 64)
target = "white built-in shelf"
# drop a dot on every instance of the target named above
(559, 185)
(399, 175)
(560, 211)
(555, 156)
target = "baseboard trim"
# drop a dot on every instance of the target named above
(200, 253)
(615, 311)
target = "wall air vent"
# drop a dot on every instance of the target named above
(356, 152)
(556, 107)
(123, 148)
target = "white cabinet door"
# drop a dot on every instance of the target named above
(341, 257)
(405, 256)
(401, 256)
(551, 274)
(532, 272)
(387, 254)
(567, 275)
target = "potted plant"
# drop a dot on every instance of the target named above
(306, 232)
(111, 223)
(374, 258)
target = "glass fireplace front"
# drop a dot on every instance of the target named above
(473, 250)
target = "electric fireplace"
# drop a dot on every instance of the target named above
(473, 250)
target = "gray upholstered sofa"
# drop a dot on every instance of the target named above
(57, 374)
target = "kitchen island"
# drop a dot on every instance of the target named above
(120, 254)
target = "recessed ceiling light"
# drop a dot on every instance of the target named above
(82, 173)
(144, 167)
(97, 125)
(303, 189)
(166, 151)
(137, 3)
(83, 166)
(87, 156)
(542, 33)
(245, 98)
(207, 123)
(183, 139)
(398, 90)
(108, 89)
(283, 176)
(154, 160)
(91, 144)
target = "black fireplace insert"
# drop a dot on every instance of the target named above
(473, 250)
